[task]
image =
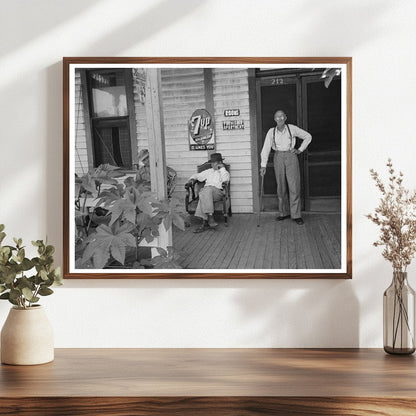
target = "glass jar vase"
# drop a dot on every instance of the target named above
(399, 316)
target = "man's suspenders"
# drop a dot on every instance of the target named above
(290, 134)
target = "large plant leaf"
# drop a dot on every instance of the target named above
(111, 195)
(167, 259)
(170, 210)
(147, 227)
(109, 241)
(123, 209)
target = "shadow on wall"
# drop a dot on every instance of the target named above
(346, 26)
(157, 18)
(42, 17)
(301, 314)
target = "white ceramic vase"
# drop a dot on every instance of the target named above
(27, 337)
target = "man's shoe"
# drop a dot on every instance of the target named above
(211, 221)
(203, 227)
(298, 221)
(281, 218)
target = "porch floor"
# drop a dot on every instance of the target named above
(272, 245)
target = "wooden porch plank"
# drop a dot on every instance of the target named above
(271, 246)
(246, 251)
(244, 239)
(334, 249)
(327, 243)
(292, 244)
(299, 236)
(309, 261)
(320, 239)
(313, 245)
(209, 239)
(213, 258)
(241, 227)
(200, 241)
(268, 252)
(277, 237)
(254, 248)
(284, 247)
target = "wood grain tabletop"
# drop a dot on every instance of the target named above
(203, 379)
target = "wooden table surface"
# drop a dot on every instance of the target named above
(212, 382)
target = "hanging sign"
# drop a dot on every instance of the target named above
(201, 131)
(232, 112)
(233, 125)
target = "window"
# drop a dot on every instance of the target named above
(108, 92)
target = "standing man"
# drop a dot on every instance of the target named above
(282, 139)
(211, 192)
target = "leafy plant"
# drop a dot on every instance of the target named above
(167, 259)
(132, 215)
(15, 285)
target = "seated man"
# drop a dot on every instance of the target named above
(211, 192)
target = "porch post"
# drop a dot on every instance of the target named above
(156, 138)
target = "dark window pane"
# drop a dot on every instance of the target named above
(325, 180)
(324, 116)
(112, 145)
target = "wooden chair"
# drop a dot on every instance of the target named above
(193, 188)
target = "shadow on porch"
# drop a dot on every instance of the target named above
(272, 245)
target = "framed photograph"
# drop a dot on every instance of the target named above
(207, 168)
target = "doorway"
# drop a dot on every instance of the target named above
(309, 104)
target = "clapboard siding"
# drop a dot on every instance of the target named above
(182, 93)
(231, 92)
(81, 156)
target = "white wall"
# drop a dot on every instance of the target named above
(380, 35)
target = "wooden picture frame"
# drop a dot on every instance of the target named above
(117, 111)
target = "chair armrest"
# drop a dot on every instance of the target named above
(189, 187)
(190, 184)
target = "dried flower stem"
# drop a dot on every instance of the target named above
(396, 216)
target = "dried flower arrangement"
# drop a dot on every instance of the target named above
(396, 216)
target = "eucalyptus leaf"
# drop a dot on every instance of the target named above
(24, 282)
(49, 250)
(45, 291)
(14, 302)
(21, 255)
(27, 293)
(26, 264)
(43, 275)
(8, 277)
(15, 294)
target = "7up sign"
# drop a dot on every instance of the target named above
(201, 131)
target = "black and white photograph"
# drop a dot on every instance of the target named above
(209, 168)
